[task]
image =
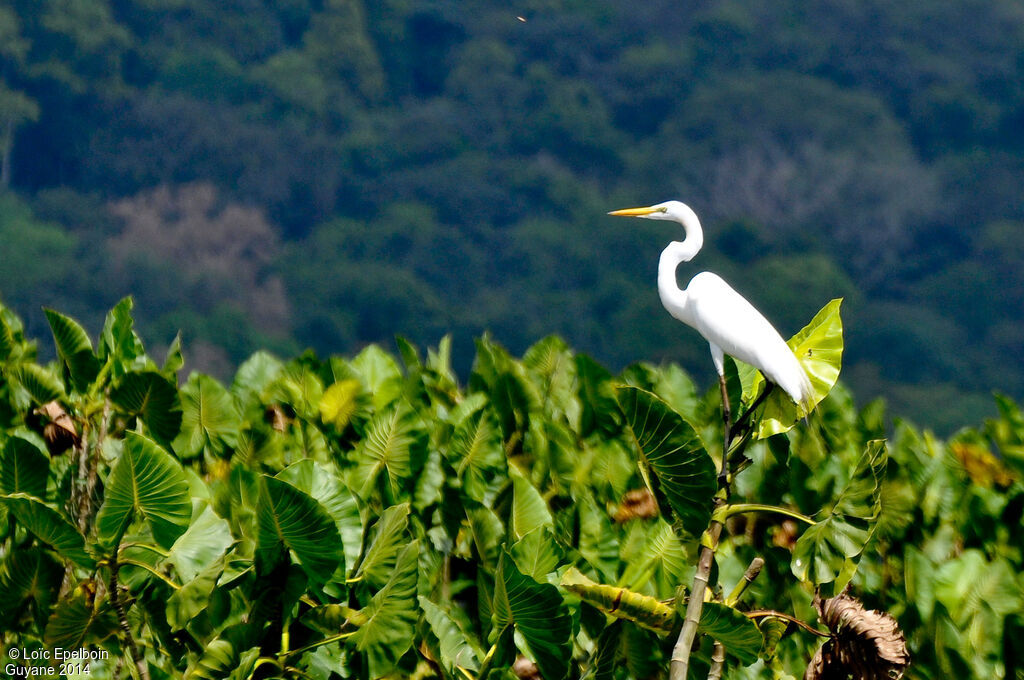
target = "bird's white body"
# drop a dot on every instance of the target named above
(729, 323)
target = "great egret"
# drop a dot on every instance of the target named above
(729, 323)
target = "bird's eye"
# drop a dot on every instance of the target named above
(663, 209)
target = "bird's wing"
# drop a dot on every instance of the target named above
(726, 319)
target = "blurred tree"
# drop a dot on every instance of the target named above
(210, 256)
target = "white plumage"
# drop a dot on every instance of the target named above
(729, 323)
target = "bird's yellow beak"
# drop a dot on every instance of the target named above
(634, 212)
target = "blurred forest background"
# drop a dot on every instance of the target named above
(328, 173)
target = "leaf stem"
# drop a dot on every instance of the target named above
(319, 643)
(764, 613)
(726, 511)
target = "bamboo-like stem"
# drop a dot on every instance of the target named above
(680, 665)
(717, 662)
(752, 572)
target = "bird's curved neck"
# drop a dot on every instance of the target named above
(673, 297)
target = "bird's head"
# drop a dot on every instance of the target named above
(669, 210)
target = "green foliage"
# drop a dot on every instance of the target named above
(405, 525)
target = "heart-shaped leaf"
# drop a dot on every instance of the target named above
(819, 348)
(740, 636)
(148, 482)
(23, 468)
(293, 520)
(74, 349)
(389, 622)
(822, 552)
(209, 418)
(538, 614)
(684, 474)
(49, 526)
(150, 396)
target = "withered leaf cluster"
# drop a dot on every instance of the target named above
(636, 504)
(60, 432)
(866, 644)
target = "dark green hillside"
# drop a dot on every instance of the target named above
(329, 173)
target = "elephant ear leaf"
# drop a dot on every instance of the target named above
(388, 624)
(74, 349)
(152, 398)
(294, 520)
(683, 473)
(830, 548)
(538, 615)
(145, 482)
(819, 348)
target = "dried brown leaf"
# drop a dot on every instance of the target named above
(636, 504)
(866, 644)
(60, 433)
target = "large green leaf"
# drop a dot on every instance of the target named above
(538, 614)
(209, 418)
(661, 559)
(23, 468)
(529, 511)
(823, 551)
(75, 622)
(119, 343)
(207, 538)
(599, 411)
(29, 575)
(193, 597)
(513, 395)
(230, 656)
(294, 520)
(387, 626)
(819, 348)
(150, 396)
(457, 649)
(552, 367)
(145, 481)
(74, 349)
(49, 526)
(42, 385)
(476, 451)
(324, 483)
(379, 373)
(537, 554)
(684, 474)
(387, 449)
(382, 550)
(740, 636)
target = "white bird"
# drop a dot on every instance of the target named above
(729, 323)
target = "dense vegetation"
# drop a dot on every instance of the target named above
(366, 517)
(328, 173)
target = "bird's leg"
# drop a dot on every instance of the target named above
(727, 434)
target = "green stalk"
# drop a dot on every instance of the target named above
(726, 511)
